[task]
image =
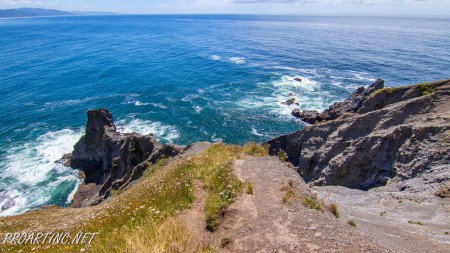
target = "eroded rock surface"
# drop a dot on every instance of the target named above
(397, 135)
(111, 161)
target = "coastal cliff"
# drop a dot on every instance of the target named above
(110, 160)
(378, 135)
(393, 143)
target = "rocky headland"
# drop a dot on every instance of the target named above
(369, 174)
(377, 136)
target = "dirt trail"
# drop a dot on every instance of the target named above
(262, 222)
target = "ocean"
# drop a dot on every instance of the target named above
(186, 78)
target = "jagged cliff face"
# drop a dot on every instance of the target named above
(392, 134)
(94, 152)
(112, 161)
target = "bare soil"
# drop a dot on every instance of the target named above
(262, 222)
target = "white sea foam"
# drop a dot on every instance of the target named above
(294, 81)
(255, 132)
(161, 132)
(308, 93)
(159, 105)
(198, 109)
(237, 60)
(32, 165)
(214, 138)
(139, 103)
(215, 57)
(190, 97)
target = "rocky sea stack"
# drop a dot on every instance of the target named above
(110, 160)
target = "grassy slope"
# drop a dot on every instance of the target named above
(143, 217)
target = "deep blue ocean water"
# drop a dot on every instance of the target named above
(186, 78)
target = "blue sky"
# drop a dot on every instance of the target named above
(365, 7)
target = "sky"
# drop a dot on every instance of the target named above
(321, 7)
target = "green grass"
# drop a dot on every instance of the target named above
(312, 202)
(254, 149)
(282, 156)
(248, 187)
(142, 218)
(425, 88)
(224, 241)
(219, 181)
(289, 196)
(351, 223)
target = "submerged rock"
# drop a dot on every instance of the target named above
(110, 160)
(290, 101)
(374, 138)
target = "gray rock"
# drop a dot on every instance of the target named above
(407, 137)
(94, 152)
(111, 161)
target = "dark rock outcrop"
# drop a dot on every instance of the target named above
(94, 152)
(110, 160)
(392, 135)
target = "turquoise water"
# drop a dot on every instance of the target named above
(186, 79)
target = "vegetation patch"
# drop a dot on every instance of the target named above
(142, 218)
(282, 156)
(254, 149)
(388, 91)
(415, 222)
(312, 202)
(289, 196)
(351, 223)
(334, 210)
(224, 241)
(248, 187)
(425, 89)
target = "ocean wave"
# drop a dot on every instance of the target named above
(159, 105)
(139, 103)
(309, 93)
(161, 132)
(255, 132)
(215, 57)
(237, 60)
(296, 81)
(214, 138)
(35, 175)
(72, 102)
(190, 97)
(198, 109)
